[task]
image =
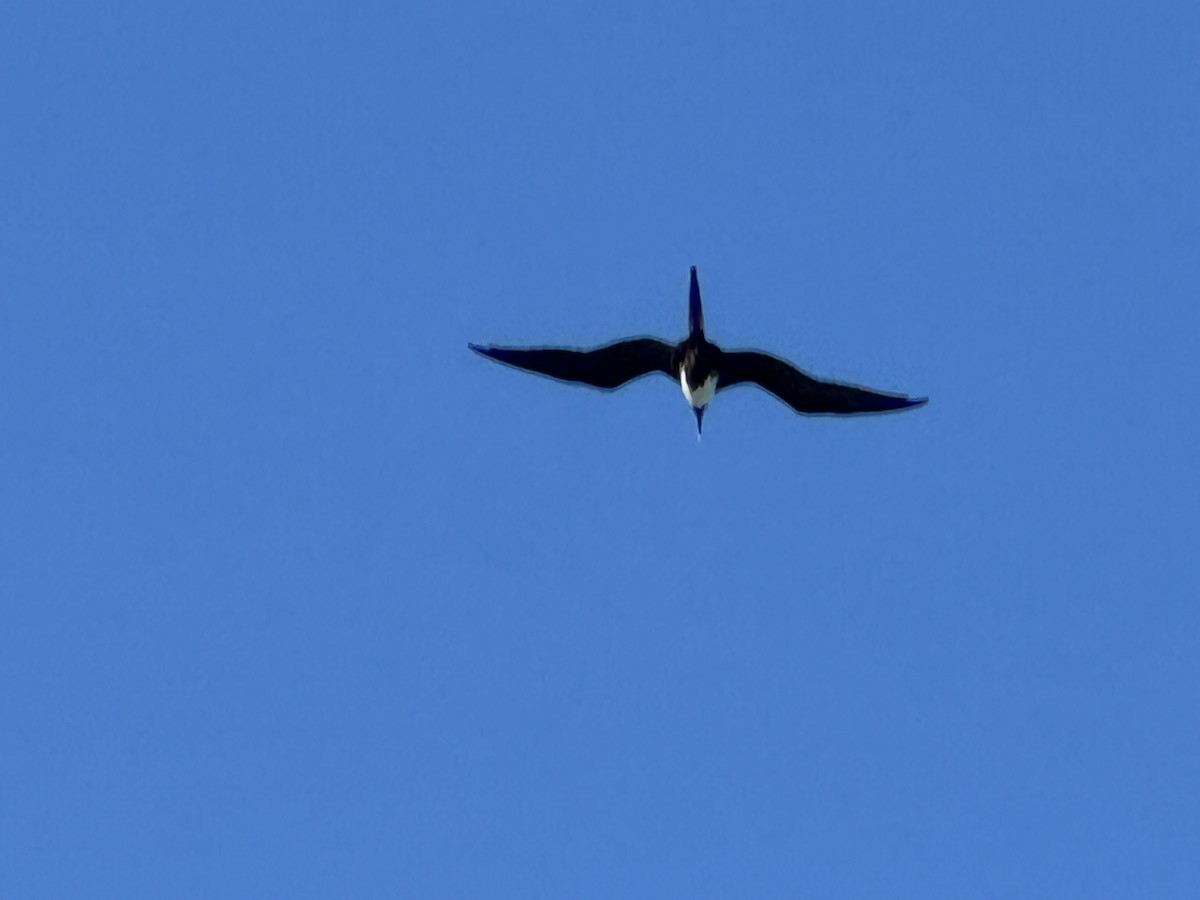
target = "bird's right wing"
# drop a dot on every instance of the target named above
(801, 391)
(605, 367)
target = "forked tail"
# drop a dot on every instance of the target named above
(695, 313)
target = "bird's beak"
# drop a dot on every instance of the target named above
(699, 411)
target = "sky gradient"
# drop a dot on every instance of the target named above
(301, 598)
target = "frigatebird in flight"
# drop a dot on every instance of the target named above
(702, 369)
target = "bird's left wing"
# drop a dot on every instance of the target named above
(801, 391)
(605, 367)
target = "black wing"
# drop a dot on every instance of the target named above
(605, 367)
(802, 392)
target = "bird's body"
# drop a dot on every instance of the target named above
(702, 368)
(700, 394)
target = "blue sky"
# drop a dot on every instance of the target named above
(302, 599)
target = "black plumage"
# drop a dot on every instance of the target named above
(608, 367)
(801, 391)
(691, 362)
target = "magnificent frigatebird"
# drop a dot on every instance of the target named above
(702, 369)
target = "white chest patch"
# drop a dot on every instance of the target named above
(701, 395)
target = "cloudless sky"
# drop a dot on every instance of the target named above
(300, 598)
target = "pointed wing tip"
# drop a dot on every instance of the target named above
(903, 403)
(478, 348)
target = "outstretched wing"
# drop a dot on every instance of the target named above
(801, 391)
(605, 367)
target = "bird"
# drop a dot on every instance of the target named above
(702, 369)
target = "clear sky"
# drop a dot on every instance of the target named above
(300, 598)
